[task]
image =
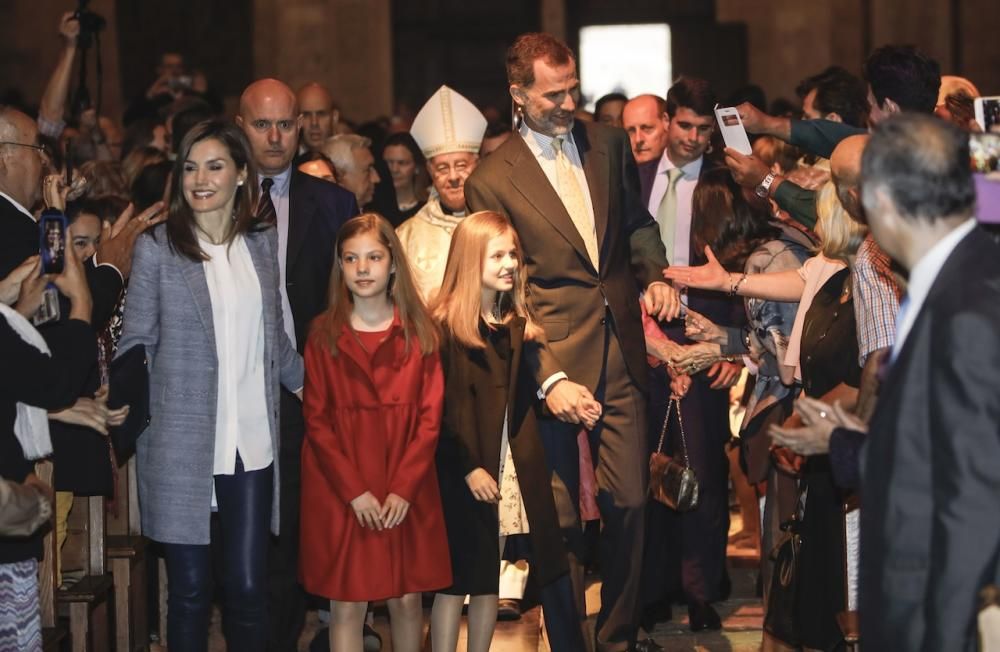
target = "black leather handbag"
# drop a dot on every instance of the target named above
(129, 385)
(780, 619)
(671, 482)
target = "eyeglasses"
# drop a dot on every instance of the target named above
(41, 149)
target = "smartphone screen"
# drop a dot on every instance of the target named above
(52, 241)
(731, 127)
(987, 110)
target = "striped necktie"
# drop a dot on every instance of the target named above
(266, 213)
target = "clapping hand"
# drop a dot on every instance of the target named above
(482, 485)
(710, 276)
(818, 421)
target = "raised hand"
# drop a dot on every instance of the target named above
(118, 241)
(748, 171)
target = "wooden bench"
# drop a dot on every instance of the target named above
(53, 634)
(127, 557)
(89, 603)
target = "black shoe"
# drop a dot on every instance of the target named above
(508, 609)
(646, 645)
(654, 614)
(701, 616)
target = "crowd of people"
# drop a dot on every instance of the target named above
(433, 356)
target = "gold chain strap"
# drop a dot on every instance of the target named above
(666, 422)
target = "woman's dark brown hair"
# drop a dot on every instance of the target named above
(727, 220)
(180, 223)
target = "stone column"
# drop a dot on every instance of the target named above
(343, 44)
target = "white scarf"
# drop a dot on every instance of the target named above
(31, 427)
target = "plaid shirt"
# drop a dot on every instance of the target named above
(876, 300)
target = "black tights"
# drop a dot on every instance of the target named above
(244, 501)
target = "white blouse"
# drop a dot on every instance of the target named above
(241, 422)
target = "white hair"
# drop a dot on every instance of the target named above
(339, 149)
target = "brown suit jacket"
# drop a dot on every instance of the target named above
(568, 294)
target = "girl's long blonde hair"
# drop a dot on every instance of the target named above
(402, 291)
(458, 305)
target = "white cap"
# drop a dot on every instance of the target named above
(448, 123)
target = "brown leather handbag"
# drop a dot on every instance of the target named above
(671, 482)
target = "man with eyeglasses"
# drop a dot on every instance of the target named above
(23, 161)
(307, 213)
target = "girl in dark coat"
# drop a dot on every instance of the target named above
(491, 465)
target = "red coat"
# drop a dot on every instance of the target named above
(371, 425)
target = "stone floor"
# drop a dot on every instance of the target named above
(741, 632)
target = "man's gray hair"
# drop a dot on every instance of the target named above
(339, 149)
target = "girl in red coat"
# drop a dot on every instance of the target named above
(372, 526)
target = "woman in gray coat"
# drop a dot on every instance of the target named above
(204, 300)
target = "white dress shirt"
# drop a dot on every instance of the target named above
(541, 146)
(241, 423)
(922, 278)
(681, 255)
(279, 196)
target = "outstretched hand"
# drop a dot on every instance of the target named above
(662, 301)
(710, 276)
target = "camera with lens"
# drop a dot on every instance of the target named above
(91, 23)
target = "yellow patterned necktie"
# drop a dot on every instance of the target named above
(666, 214)
(574, 201)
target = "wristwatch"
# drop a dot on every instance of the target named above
(765, 186)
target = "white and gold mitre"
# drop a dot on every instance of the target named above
(448, 123)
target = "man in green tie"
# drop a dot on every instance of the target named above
(668, 187)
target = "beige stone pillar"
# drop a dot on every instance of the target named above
(554, 18)
(343, 44)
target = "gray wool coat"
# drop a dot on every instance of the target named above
(169, 310)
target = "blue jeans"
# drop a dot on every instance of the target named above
(244, 501)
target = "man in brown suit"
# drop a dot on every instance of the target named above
(571, 191)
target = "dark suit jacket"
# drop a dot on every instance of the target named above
(717, 306)
(930, 528)
(316, 211)
(568, 294)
